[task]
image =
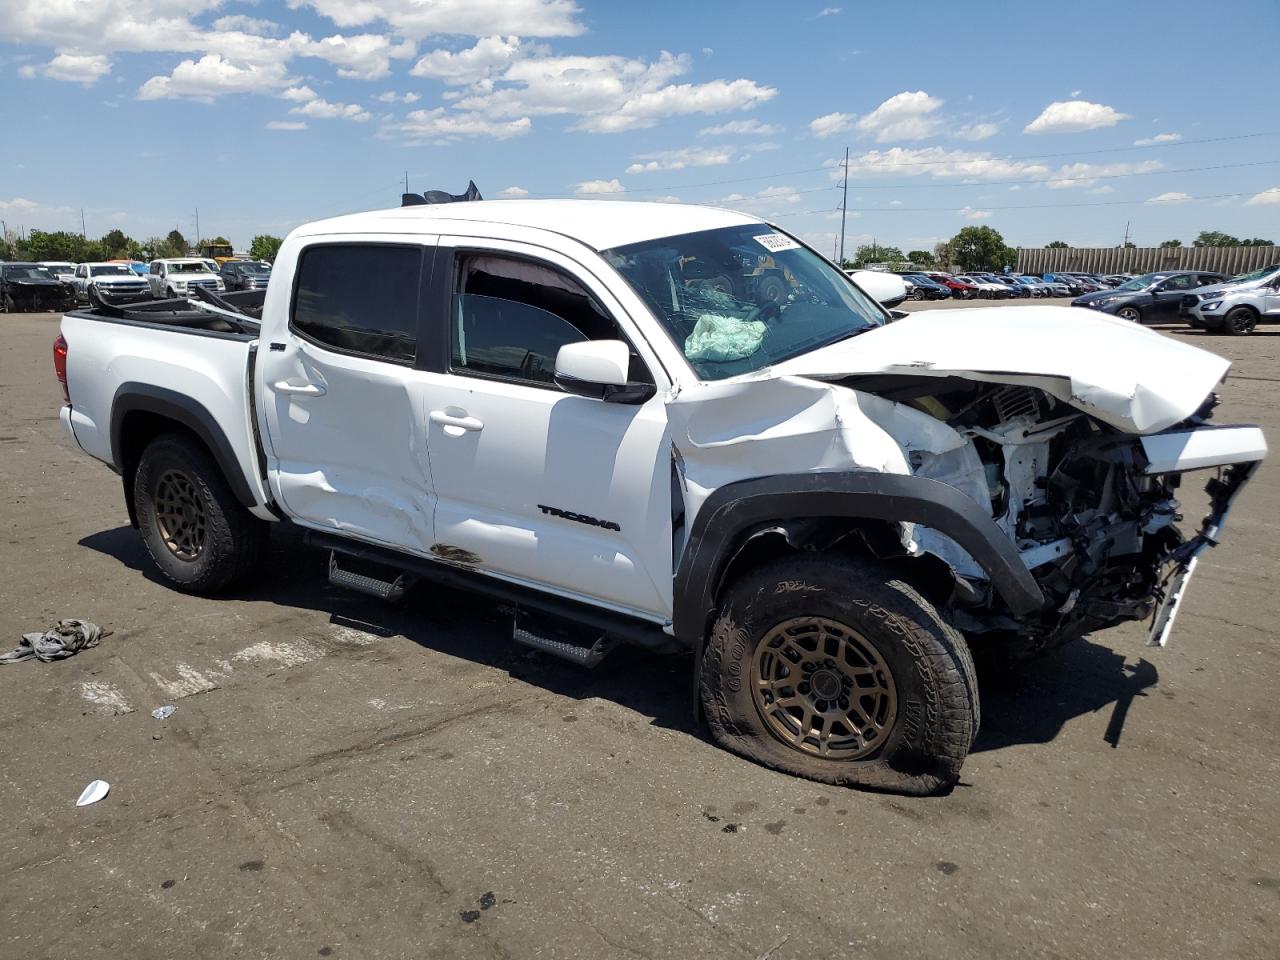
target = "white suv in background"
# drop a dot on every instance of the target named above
(177, 276)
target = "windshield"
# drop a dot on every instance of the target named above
(1255, 274)
(21, 272)
(737, 299)
(256, 269)
(1139, 283)
(191, 266)
(111, 270)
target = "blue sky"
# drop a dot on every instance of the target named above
(1044, 124)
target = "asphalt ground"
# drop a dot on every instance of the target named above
(349, 779)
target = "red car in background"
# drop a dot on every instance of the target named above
(959, 289)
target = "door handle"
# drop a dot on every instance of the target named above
(461, 423)
(304, 389)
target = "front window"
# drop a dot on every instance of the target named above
(738, 299)
(111, 270)
(27, 273)
(1139, 283)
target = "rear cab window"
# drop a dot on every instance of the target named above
(360, 298)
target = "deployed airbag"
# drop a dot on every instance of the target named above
(716, 337)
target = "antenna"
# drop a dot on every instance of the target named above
(844, 203)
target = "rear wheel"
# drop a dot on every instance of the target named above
(824, 668)
(198, 534)
(1239, 322)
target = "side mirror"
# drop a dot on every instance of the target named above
(597, 369)
(888, 289)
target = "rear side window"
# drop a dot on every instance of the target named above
(360, 298)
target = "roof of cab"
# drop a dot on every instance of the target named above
(600, 224)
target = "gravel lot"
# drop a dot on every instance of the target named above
(343, 778)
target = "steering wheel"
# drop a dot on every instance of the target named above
(768, 313)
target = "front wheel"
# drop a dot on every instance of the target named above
(827, 668)
(198, 534)
(1239, 322)
(1132, 314)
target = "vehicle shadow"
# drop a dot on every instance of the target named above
(1029, 705)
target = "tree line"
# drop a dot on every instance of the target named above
(117, 245)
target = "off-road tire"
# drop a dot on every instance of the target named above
(1239, 322)
(937, 706)
(233, 539)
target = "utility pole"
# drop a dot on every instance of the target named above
(844, 203)
(83, 234)
(197, 229)
(1126, 235)
(406, 181)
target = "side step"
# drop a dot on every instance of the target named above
(540, 634)
(369, 582)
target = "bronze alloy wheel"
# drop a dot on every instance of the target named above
(180, 515)
(822, 688)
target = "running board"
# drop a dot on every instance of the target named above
(389, 590)
(558, 643)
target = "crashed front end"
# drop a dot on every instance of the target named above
(1094, 512)
(33, 296)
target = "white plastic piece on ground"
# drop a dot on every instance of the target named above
(1119, 372)
(163, 713)
(1206, 447)
(93, 793)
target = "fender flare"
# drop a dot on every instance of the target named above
(737, 507)
(133, 397)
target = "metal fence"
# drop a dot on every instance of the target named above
(1228, 260)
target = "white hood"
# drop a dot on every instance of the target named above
(1119, 372)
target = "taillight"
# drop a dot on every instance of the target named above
(60, 365)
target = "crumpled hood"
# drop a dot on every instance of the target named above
(1119, 372)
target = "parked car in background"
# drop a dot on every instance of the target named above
(246, 274)
(987, 289)
(960, 290)
(1238, 305)
(1074, 286)
(64, 270)
(107, 282)
(30, 287)
(1036, 286)
(1151, 298)
(175, 276)
(926, 288)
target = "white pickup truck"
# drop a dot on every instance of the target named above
(669, 424)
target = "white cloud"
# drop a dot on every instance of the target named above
(1158, 138)
(1072, 175)
(976, 131)
(19, 205)
(830, 124)
(707, 51)
(741, 128)
(938, 163)
(1172, 196)
(365, 56)
(212, 76)
(773, 199)
(679, 159)
(299, 94)
(480, 62)
(1074, 116)
(321, 109)
(437, 126)
(392, 97)
(243, 24)
(904, 116)
(599, 187)
(609, 94)
(416, 19)
(829, 11)
(1266, 198)
(286, 125)
(969, 213)
(514, 192)
(74, 68)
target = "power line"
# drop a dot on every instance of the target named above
(1020, 206)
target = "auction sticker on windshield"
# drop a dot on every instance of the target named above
(775, 242)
